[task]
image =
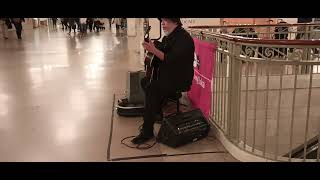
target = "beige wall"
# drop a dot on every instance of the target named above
(155, 26)
(257, 20)
(200, 21)
(290, 20)
(232, 21)
(154, 23)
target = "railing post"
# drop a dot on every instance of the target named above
(234, 95)
(308, 32)
(306, 54)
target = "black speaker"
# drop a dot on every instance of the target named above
(183, 128)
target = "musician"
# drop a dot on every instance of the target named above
(175, 71)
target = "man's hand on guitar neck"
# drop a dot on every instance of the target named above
(149, 46)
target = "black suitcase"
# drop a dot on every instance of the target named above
(183, 128)
(133, 103)
(129, 110)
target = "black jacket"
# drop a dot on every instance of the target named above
(176, 70)
(19, 20)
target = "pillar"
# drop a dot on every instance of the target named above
(131, 26)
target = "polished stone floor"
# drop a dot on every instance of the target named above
(56, 96)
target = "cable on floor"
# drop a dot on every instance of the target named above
(139, 146)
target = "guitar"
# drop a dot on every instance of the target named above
(151, 62)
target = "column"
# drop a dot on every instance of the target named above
(140, 38)
(131, 27)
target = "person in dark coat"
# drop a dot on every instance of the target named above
(77, 21)
(64, 23)
(17, 22)
(110, 22)
(90, 23)
(72, 25)
(175, 72)
(54, 22)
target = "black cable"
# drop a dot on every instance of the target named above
(148, 146)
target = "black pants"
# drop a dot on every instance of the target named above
(83, 28)
(64, 25)
(154, 97)
(110, 22)
(54, 23)
(90, 25)
(18, 27)
(95, 27)
(72, 27)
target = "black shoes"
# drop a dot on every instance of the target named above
(142, 137)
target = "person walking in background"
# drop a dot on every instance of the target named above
(110, 22)
(96, 24)
(72, 25)
(117, 21)
(17, 22)
(54, 22)
(83, 26)
(77, 20)
(64, 23)
(4, 28)
(90, 23)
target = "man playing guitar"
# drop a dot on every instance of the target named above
(175, 70)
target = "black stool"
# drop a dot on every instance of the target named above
(176, 97)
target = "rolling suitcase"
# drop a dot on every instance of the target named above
(133, 103)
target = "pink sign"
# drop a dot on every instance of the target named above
(200, 93)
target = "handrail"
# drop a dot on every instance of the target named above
(311, 42)
(255, 25)
(248, 70)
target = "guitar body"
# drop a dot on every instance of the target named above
(152, 63)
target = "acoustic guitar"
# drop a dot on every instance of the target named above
(151, 62)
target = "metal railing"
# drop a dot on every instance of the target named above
(265, 95)
(271, 31)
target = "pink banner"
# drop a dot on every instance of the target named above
(200, 93)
